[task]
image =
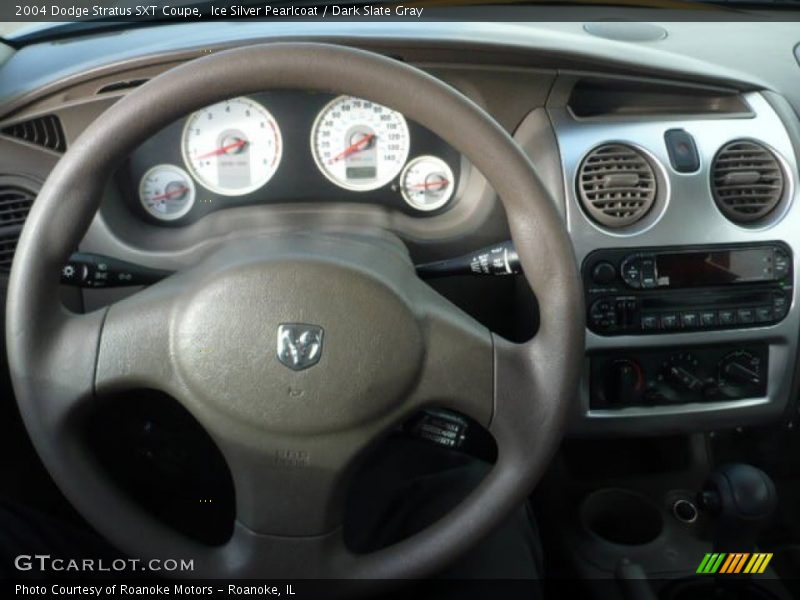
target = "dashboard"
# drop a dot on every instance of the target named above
(289, 147)
(674, 165)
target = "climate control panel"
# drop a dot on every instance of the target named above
(660, 377)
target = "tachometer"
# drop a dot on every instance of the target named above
(427, 183)
(166, 192)
(233, 147)
(359, 145)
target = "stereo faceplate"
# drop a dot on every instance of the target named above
(697, 288)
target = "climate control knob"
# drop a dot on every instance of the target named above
(741, 373)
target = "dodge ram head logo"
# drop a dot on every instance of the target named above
(299, 345)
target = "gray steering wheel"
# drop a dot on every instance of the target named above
(206, 336)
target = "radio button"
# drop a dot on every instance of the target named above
(689, 320)
(780, 305)
(708, 318)
(781, 264)
(746, 315)
(669, 321)
(650, 322)
(632, 272)
(727, 317)
(764, 314)
(648, 266)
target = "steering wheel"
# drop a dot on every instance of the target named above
(387, 345)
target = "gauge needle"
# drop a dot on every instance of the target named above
(223, 149)
(430, 184)
(353, 148)
(170, 194)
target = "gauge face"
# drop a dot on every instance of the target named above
(359, 145)
(427, 183)
(166, 192)
(232, 148)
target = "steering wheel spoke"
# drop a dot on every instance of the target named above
(134, 348)
(458, 369)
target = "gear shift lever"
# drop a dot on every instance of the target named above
(742, 498)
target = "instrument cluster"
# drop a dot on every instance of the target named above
(281, 147)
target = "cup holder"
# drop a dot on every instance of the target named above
(621, 517)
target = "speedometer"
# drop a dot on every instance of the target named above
(233, 147)
(359, 145)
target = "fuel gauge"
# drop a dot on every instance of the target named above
(427, 183)
(167, 192)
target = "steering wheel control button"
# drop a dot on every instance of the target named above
(682, 151)
(604, 273)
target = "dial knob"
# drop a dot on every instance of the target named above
(604, 273)
(741, 373)
(624, 383)
(681, 371)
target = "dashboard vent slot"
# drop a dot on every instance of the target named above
(617, 185)
(8, 243)
(43, 131)
(121, 86)
(747, 181)
(15, 203)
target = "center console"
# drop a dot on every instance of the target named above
(692, 323)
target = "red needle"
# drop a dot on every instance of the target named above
(353, 148)
(430, 184)
(223, 149)
(168, 195)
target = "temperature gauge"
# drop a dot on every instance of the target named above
(166, 192)
(427, 183)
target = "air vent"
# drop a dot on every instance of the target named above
(16, 199)
(15, 203)
(747, 181)
(121, 86)
(7, 246)
(43, 131)
(617, 185)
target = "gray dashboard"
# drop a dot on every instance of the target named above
(524, 75)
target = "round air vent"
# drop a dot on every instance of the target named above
(617, 185)
(747, 181)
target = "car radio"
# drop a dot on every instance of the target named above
(664, 290)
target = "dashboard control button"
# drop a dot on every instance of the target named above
(650, 322)
(669, 321)
(604, 273)
(780, 305)
(708, 318)
(632, 272)
(648, 267)
(727, 317)
(781, 264)
(690, 320)
(682, 151)
(764, 314)
(746, 315)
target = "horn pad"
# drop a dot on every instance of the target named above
(228, 334)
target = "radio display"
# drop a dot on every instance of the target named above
(715, 267)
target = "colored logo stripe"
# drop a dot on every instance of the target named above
(735, 562)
